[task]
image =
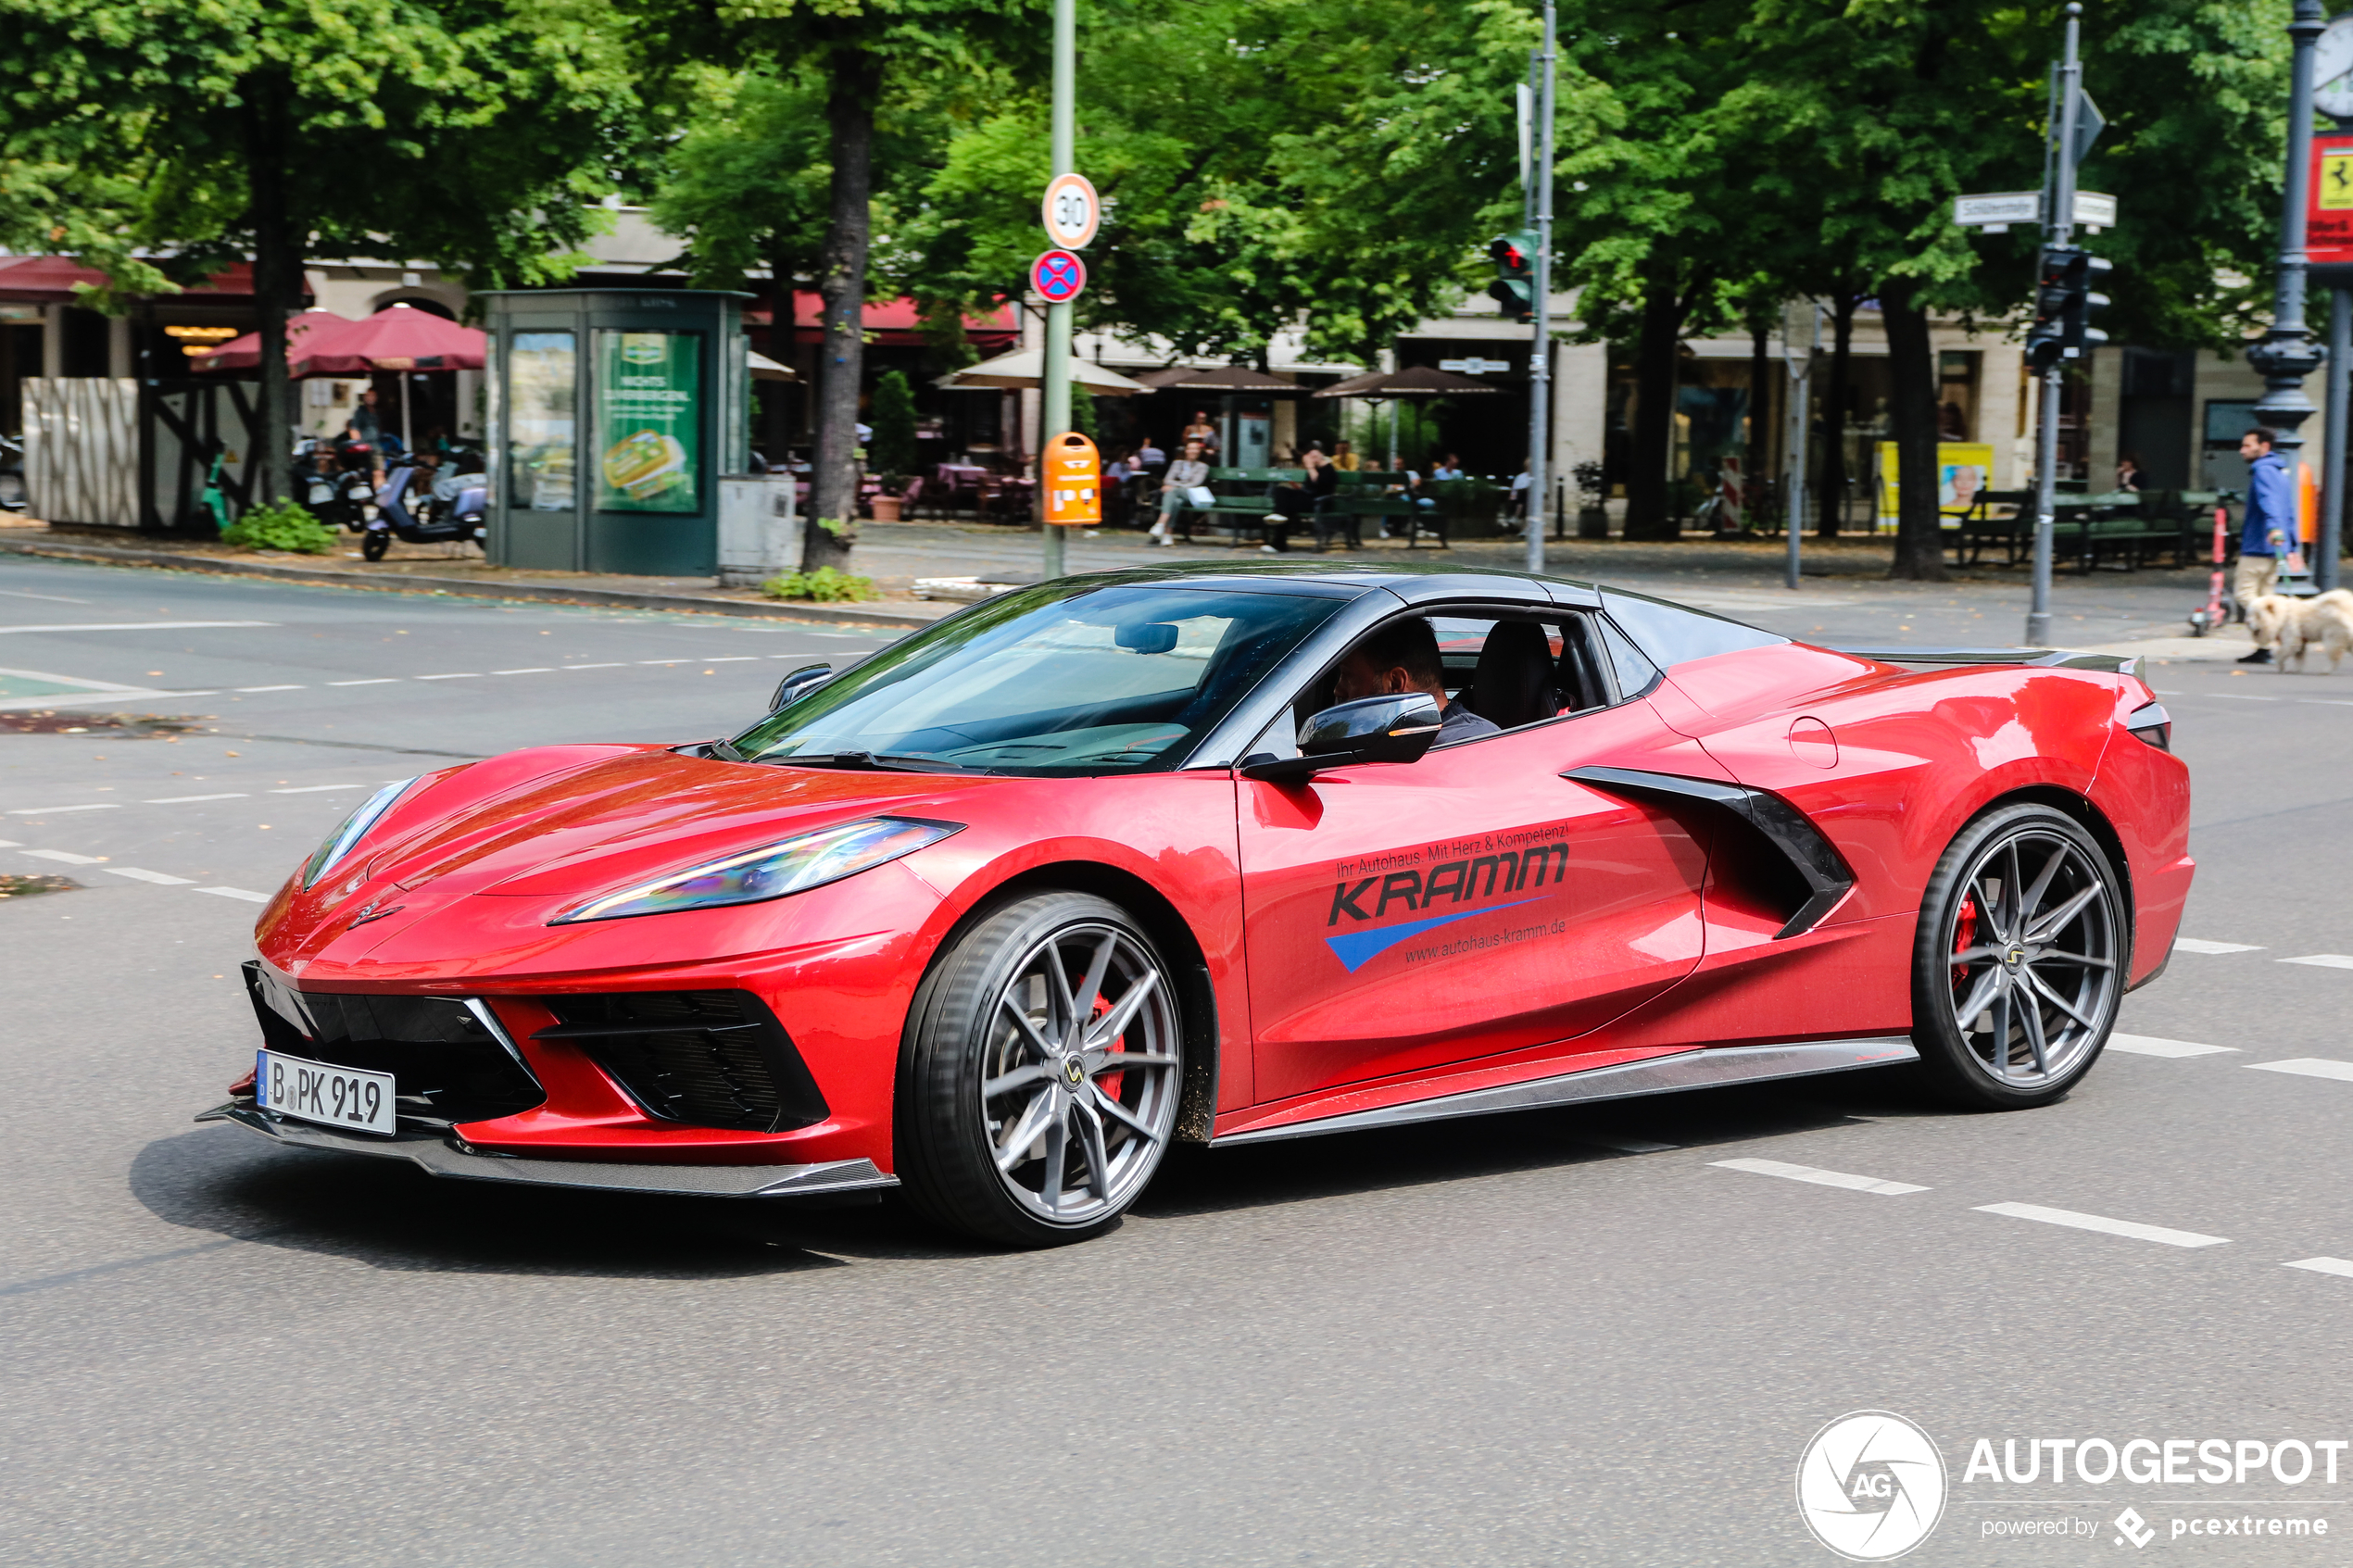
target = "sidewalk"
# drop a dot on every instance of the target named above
(1846, 597)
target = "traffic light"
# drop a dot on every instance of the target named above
(1513, 289)
(2081, 301)
(2064, 301)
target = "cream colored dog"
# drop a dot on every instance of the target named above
(2324, 623)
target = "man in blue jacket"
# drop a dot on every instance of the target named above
(2270, 530)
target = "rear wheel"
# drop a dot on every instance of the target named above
(1043, 1067)
(2019, 962)
(374, 546)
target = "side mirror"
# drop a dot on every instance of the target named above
(1372, 729)
(800, 683)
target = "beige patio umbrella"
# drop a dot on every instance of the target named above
(1417, 380)
(1025, 368)
(765, 368)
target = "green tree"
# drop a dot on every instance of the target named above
(467, 131)
(863, 52)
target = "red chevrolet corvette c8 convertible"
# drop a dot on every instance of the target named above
(996, 915)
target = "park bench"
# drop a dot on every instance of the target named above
(1240, 505)
(1363, 495)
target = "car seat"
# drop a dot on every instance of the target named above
(1513, 683)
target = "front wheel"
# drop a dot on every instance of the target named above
(2019, 962)
(1042, 1070)
(378, 541)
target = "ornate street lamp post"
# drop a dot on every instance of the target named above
(2288, 353)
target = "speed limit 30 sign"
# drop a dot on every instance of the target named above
(1071, 212)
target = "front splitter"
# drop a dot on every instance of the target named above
(438, 1156)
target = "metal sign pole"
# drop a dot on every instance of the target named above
(1801, 381)
(1539, 353)
(1055, 414)
(2059, 225)
(2326, 549)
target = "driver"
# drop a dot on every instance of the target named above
(1403, 657)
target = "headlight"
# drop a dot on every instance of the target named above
(754, 876)
(350, 831)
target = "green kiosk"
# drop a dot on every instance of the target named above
(613, 414)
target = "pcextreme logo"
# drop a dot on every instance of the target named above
(1467, 878)
(1871, 1485)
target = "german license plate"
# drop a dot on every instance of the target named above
(316, 1091)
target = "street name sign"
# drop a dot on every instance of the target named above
(1475, 367)
(1998, 211)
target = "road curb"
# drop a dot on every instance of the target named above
(461, 588)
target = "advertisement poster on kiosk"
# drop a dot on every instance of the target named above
(648, 421)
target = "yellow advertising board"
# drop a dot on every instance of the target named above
(1963, 468)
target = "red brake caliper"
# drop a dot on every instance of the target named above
(1109, 1082)
(1964, 935)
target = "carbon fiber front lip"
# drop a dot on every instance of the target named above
(437, 1156)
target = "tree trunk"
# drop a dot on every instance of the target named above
(278, 245)
(832, 502)
(1833, 487)
(1647, 515)
(1911, 365)
(1753, 448)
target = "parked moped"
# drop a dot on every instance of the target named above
(395, 518)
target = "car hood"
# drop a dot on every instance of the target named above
(523, 836)
(586, 829)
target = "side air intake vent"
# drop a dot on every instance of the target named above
(713, 1058)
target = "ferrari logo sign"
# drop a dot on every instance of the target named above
(2328, 211)
(1074, 480)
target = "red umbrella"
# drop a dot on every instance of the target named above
(245, 353)
(400, 337)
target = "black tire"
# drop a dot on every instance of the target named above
(975, 1072)
(377, 541)
(2013, 995)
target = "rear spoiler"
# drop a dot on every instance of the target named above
(2041, 658)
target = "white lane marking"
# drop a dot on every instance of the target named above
(237, 893)
(1627, 1146)
(2149, 1045)
(2307, 1067)
(608, 664)
(53, 810)
(10, 844)
(1818, 1177)
(265, 688)
(183, 800)
(2243, 697)
(665, 661)
(136, 626)
(459, 675)
(734, 658)
(2322, 960)
(135, 874)
(2191, 945)
(372, 681)
(67, 856)
(78, 682)
(2133, 1228)
(53, 599)
(2323, 1266)
(313, 789)
(190, 694)
(535, 669)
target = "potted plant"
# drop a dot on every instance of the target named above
(893, 447)
(1592, 486)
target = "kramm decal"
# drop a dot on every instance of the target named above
(1448, 885)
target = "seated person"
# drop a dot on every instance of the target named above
(1400, 657)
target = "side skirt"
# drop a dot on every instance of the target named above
(1659, 1075)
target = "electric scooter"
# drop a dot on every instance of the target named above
(2216, 610)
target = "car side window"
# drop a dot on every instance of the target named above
(1635, 672)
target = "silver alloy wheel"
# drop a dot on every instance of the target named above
(2036, 958)
(1081, 1087)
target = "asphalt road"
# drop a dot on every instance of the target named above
(1555, 1337)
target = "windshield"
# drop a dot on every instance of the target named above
(1059, 679)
